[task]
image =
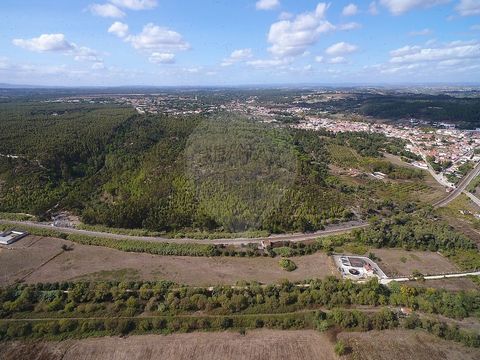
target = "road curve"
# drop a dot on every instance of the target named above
(462, 185)
(297, 237)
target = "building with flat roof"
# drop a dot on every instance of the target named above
(10, 236)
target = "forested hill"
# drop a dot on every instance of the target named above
(111, 166)
(463, 112)
(114, 167)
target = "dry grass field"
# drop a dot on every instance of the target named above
(405, 345)
(28, 259)
(255, 345)
(397, 262)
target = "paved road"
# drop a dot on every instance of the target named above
(432, 277)
(462, 185)
(472, 197)
(330, 230)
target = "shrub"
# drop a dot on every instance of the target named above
(287, 265)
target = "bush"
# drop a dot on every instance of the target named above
(287, 265)
(341, 348)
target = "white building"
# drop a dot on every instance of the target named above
(9, 237)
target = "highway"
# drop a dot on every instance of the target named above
(462, 185)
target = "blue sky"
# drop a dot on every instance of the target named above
(237, 42)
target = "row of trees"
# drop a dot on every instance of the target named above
(129, 299)
(338, 318)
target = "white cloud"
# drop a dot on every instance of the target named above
(106, 10)
(58, 43)
(319, 58)
(292, 37)
(350, 10)
(162, 58)
(422, 32)
(451, 51)
(398, 7)
(268, 63)
(135, 4)
(285, 15)
(98, 66)
(83, 53)
(44, 43)
(337, 60)
(372, 8)
(349, 26)
(159, 43)
(118, 28)
(404, 50)
(267, 4)
(157, 38)
(468, 7)
(237, 56)
(341, 48)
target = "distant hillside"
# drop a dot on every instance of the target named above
(464, 112)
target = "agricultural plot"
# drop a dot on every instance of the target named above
(397, 262)
(404, 345)
(255, 345)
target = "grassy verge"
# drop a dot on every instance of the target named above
(17, 216)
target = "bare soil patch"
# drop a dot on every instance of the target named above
(398, 262)
(255, 345)
(405, 345)
(98, 263)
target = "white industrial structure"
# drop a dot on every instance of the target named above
(10, 236)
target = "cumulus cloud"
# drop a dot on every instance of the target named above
(350, 10)
(58, 43)
(119, 29)
(455, 50)
(106, 10)
(337, 60)
(162, 58)
(237, 56)
(284, 15)
(422, 32)
(159, 42)
(135, 4)
(319, 58)
(268, 63)
(398, 7)
(267, 4)
(158, 38)
(341, 48)
(349, 26)
(45, 43)
(293, 37)
(468, 7)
